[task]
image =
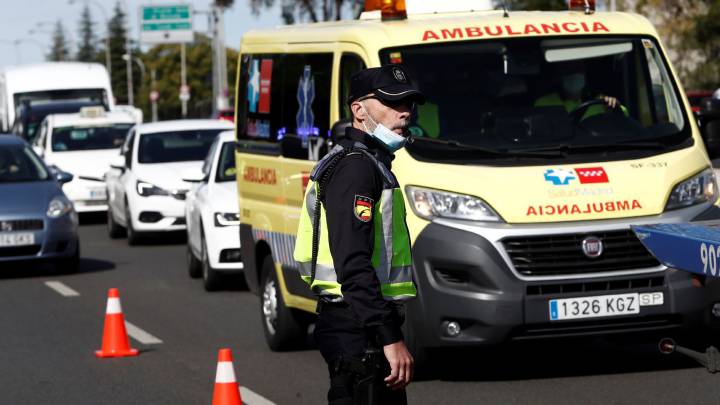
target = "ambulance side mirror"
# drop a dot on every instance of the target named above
(709, 121)
(338, 129)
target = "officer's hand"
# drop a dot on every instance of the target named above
(401, 365)
(610, 101)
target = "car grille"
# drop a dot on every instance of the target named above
(21, 225)
(562, 254)
(31, 250)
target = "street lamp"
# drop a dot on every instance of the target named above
(140, 64)
(100, 7)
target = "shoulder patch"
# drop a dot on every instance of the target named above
(363, 208)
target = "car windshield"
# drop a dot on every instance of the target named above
(75, 138)
(226, 165)
(20, 164)
(530, 98)
(176, 146)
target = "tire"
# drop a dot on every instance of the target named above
(132, 235)
(211, 278)
(71, 264)
(194, 265)
(283, 328)
(115, 231)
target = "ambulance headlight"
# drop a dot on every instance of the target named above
(695, 190)
(430, 204)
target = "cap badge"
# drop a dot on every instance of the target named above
(399, 75)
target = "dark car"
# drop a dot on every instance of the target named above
(31, 114)
(37, 220)
(696, 97)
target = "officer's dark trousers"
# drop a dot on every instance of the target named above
(339, 335)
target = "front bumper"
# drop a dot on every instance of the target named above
(57, 239)
(223, 245)
(158, 214)
(87, 195)
(466, 277)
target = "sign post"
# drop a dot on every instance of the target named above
(169, 24)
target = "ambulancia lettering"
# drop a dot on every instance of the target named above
(260, 175)
(508, 30)
(580, 209)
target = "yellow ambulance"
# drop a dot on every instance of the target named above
(521, 182)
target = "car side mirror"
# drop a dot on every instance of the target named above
(193, 176)
(338, 129)
(61, 176)
(709, 121)
(118, 162)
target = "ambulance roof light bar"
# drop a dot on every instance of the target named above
(389, 9)
(588, 6)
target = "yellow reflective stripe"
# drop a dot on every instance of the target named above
(397, 290)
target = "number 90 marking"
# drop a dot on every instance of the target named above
(708, 257)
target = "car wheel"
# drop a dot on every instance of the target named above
(70, 264)
(132, 236)
(211, 278)
(194, 265)
(115, 231)
(284, 329)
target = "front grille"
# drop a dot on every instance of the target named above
(19, 251)
(598, 327)
(21, 225)
(595, 286)
(549, 255)
(179, 221)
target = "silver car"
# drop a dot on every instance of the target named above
(37, 221)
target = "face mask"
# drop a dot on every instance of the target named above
(387, 137)
(574, 83)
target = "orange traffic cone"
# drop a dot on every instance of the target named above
(226, 387)
(115, 339)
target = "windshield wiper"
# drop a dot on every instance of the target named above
(568, 148)
(499, 152)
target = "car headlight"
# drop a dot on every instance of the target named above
(58, 207)
(430, 204)
(146, 189)
(227, 219)
(695, 190)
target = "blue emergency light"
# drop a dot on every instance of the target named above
(693, 247)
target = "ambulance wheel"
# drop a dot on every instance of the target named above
(193, 264)
(284, 330)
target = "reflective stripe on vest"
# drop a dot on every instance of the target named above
(391, 256)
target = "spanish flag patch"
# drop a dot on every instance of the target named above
(363, 208)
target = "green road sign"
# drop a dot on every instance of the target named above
(181, 12)
(174, 26)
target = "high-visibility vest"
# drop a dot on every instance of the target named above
(391, 256)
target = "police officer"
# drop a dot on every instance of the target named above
(353, 245)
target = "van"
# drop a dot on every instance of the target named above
(28, 85)
(519, 203)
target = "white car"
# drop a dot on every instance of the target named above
(146, 193)
(83, 144)
(211, 211)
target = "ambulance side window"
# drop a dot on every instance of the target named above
(302, 89)
(258, 103)
(350, 64)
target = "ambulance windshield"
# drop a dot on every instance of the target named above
(532, 98)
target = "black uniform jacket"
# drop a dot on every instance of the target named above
(355, 183)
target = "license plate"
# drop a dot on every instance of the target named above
(98, 193)
(594, 307)
(16, 239)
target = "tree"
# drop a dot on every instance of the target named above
(118, 37)
(689, 30)
(87, 51)
(165, 60)
(310, 10)
(59, 50)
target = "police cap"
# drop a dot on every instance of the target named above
(389, 83)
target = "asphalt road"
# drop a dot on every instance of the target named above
(48, 341)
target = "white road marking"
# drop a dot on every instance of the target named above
(62, 289)
(140, 335)
(251, 398)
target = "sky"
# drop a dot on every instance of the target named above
(32, 21)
